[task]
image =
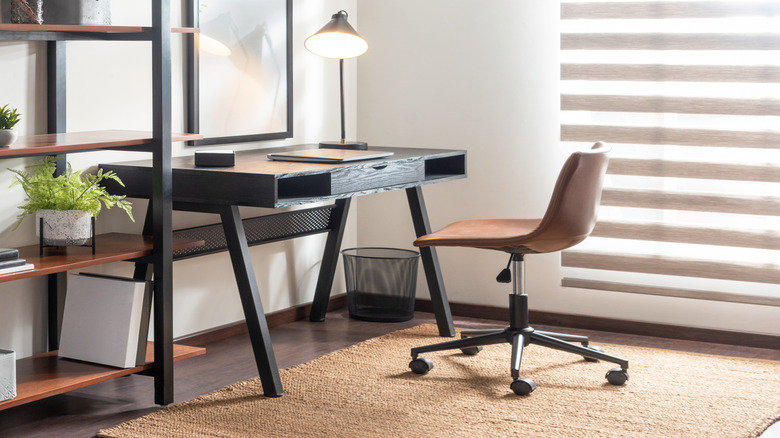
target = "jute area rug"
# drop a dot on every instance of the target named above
(367, 390)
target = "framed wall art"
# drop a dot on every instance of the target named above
(239, 70)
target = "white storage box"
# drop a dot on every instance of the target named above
(102, 320)
(7, 375)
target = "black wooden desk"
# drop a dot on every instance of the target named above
(258, 182)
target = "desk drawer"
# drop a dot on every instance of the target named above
(355, 179)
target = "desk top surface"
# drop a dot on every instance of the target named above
(258, 181)
(255, 161)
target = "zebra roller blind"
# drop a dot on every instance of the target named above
(687, 93)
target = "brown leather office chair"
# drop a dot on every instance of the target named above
(570, 218)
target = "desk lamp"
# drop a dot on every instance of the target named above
(338, 40)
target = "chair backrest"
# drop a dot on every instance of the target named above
(571, 214)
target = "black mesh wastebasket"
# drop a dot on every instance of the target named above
(381, 283)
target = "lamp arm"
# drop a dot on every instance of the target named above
(341, 86)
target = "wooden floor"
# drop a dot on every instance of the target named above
(82, 413)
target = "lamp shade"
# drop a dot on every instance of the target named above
(337, 39)
(210, 45)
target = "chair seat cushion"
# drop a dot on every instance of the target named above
(480, 233)
(569, 219)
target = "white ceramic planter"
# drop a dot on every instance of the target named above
(64, 227)
(7, 137)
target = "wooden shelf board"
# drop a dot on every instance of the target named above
(109, 247)
(188, 136)
(79, 141)
(185, 30)
(45, 375)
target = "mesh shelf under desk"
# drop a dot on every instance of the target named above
(259, 230)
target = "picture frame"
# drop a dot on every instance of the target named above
(239, 71)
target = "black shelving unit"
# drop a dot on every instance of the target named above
(158, 142)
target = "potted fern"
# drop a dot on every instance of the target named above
(9, 117)
(67, 202)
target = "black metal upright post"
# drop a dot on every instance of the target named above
(55, 122)
(192, 72)
(144, 271)
(56, 284)
(56, 82)
(341, 91)
(162, 203)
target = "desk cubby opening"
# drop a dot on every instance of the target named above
(304, 186)
(445, 166)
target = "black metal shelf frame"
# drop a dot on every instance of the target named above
(161, 262)
(147, 34)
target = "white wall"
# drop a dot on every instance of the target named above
(109, 87)
(483, 76)
(463, 75)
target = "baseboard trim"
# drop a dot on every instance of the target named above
(274, 319)
(297, 313)
(756, 340)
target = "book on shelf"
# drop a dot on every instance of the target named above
(9, 254)
(12, 263)
(106, 320)
(20, 268)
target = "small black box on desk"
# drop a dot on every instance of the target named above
(215, 158)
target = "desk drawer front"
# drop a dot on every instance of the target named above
(352, 179)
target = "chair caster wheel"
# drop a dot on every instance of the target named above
(420, 365)
(617, 376)
(594, 348)
(471, 351)
(523, 386)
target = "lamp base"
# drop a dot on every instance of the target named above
(340, 144)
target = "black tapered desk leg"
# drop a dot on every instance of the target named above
(250, 300)
(441, 306)
(330, 258)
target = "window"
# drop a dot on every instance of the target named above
(687, 93)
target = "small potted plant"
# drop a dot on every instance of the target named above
(9, 117)
(67, 202)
